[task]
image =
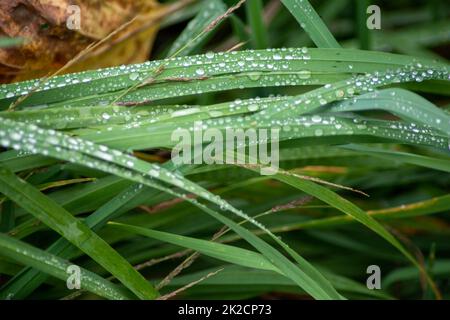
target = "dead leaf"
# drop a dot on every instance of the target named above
(51, 44)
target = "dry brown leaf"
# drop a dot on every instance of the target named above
(50, 44)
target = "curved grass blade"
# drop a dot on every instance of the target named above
(411, 210)
(400, 102)
(227, 253)
(56, 267)
(57, 218)
(246, 279)
(311, 22)
(207, 73)
(308, 128)
(29, 279)
(303, 274)
(216, 250)
(404, 157)
(357, 85)
(130, 168)
(358, 214)
(58, 145)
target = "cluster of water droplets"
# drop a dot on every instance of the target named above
(356, 85)
(35, 140)
(405, 104)
(272, 67)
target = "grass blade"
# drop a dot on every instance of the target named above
(194, 33)
(56, 267)
(73, 230)
(216, 250)
(254, 11)
(311, 22)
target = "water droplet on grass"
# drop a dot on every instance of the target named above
(200, 71)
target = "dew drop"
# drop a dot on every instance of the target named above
(255, 76)
(134, 76)
(316, 119)
(253, 107)
(304, 74)
(276, 56)
(200, 72)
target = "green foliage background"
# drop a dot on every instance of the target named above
(86, 176)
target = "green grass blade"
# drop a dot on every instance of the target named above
(410, 210)
(208, 73)
(247, 279)
(304, 275)
(315, 284)
(358, 85)
(415, 159)
(400, 102)
(361, 26)
(194, 33)
(216, 250)
(29, 279)
(56, 267)
(349, 208)
(254, 10)
(311, 22)
(73, 230)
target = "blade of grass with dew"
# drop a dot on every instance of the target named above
(349, 208)
(314, 129)
(135, 137)
(73, 230)
(28, 280)
(207, 74)
(56, 267)
(400, 102)
(64, 147)
(315, 284)
(358, 85)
